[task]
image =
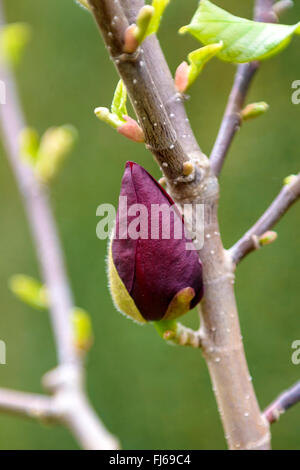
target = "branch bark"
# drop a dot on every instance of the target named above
(289, 194)
(282, 403)
(169, 137)
(26, 404)
(78, 413)
(232, 119)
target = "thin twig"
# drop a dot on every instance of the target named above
(282, 403)
(285, 199)
(41, 221)
(75, 411)
(232, 119)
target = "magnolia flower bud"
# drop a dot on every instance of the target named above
(152, 275)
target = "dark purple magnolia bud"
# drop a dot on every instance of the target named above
(153, 276)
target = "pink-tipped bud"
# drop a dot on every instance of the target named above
(130, 42)
(131, 130)
(182, 77)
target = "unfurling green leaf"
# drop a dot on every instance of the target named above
(13, 40)
(118, 105)
(29, 145)
(55, 145)
(200, 57)
(117, 117)
(29, 290)
(187, 74)
(112, 119)
(147, 23)
(243, 40)
(142, 23)
(82, 327)
(159, 8)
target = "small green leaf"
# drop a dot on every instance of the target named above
(56, 144)
(118, 105)
(199, 58)
(82, 327)
(159, 8)
(29, 144)
(29, 290)
(13, 40)
(142, 23)
(112, 119)
(243, 40)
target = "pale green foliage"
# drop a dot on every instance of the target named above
(142, 23)
(149, 19)
(159, 8)
(13, 40)
(29, 290)
(199, 58)
(243, 40)
(254, 110)
(29, 141)
(82, 327)
(114, 116)
(112, 119)
(56, 144)
(47, 154)
(118, 105)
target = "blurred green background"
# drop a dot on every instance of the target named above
(151, 395)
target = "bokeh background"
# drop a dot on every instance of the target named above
(151, 395)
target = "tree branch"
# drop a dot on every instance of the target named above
(78, 413)
(41, 221)
(282, 403)
(232, 119)
(27, 404)
(286, 198)
(161, 113)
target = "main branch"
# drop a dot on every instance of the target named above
(169, 137)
